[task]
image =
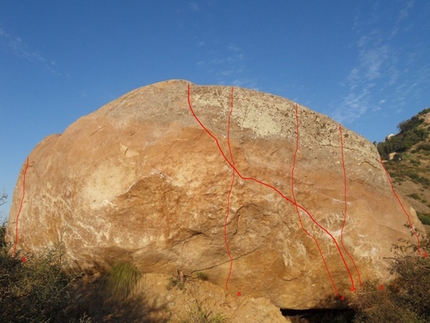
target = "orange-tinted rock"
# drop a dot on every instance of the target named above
(141, 180)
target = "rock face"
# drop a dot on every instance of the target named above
(175, 176)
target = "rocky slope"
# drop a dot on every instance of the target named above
(407, 159)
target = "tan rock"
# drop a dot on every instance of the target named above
(141, 180)
(178, 303)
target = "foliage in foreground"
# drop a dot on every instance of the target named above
(34, 290)
(403, 300)
(406, 297)
(37, 289)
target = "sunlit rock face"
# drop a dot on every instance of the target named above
(269, 198)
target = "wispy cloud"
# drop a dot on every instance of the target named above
(383, 69)
(20, 49)
(376, 64)
(226, 63)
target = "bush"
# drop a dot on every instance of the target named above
(411, 133)
(410, 124)
(415, 196)
(415, 162)
(34, 289)
(37, 289)
(425, 146)
(424, 217)
(405, 298)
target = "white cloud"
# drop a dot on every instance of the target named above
(375, 72)
(233, 48)
(20, 49)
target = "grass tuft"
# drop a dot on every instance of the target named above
(202, 276)
(122, 279)
(202, 315)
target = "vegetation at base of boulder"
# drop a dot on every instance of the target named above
(178, 280)
(202, 275)
(122, 278)
(34, 289)
(405, 298)
(175, 281)
(199, 314)
(37, 289)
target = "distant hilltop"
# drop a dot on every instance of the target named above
(413, 135)
(407, 159)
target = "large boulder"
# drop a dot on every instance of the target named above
(176, 176)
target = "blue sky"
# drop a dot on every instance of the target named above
(364, 63)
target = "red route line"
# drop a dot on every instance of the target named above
(346, 207)
(296, 206)
(20, 208)
(230, 191)
(403, 208)
(269, 186)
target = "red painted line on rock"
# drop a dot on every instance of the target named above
(20, 208)
(414, 232)
(346, 207)
(297, 208)
(229, 192)
(268, 186)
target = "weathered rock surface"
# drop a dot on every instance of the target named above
(141, 180)
(178, 303)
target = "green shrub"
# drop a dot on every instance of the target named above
(415, 162)
(37, 289)
(411, 133)
(410, 124)
(122, 279)
(424, 218)
(425, 111)
(202, 276)
(34, 289)
(174, 281)
(405, 298)
(425, 146)
(414, 196)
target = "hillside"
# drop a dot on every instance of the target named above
(407, 159)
